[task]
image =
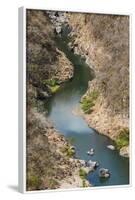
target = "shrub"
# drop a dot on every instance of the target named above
(68, 151)
(84, 183)
(52, 183)
(54, 89)
(123, 138)
(52, 85)
(89, 101)
(33, 181)
(50, 82)
(82, 173)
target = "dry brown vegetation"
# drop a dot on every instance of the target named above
(44, 60)
(46, 165)
(104, 40)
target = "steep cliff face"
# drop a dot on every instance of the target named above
(47, 68)
(104, 41)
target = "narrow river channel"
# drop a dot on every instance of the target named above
(60, 107)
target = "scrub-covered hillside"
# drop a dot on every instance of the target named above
(49, 156)
(104, 42)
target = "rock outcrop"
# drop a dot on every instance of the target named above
(124, 151)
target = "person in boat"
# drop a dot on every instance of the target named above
(90, 152)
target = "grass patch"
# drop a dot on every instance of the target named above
(33, 181)
(68, 151)
(82, 173)
(52, 84)
(53, 184)
(33, 67)
(89, 101)
(84, 184)
(123, 138)
(54, 89)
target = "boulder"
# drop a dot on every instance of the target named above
(82, 163)
(58, 29)
(104, 173)
(111, 147)
(124, 151)
(92, 164)
(42, 94)
(72, 148)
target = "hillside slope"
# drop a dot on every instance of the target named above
(104, 42)
(47, 160)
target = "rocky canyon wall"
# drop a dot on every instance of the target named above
(48, 159)
(104, 42)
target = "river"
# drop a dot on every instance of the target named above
(60, 107)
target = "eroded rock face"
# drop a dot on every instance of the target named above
(104, 42)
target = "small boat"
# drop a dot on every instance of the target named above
(90, 152)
